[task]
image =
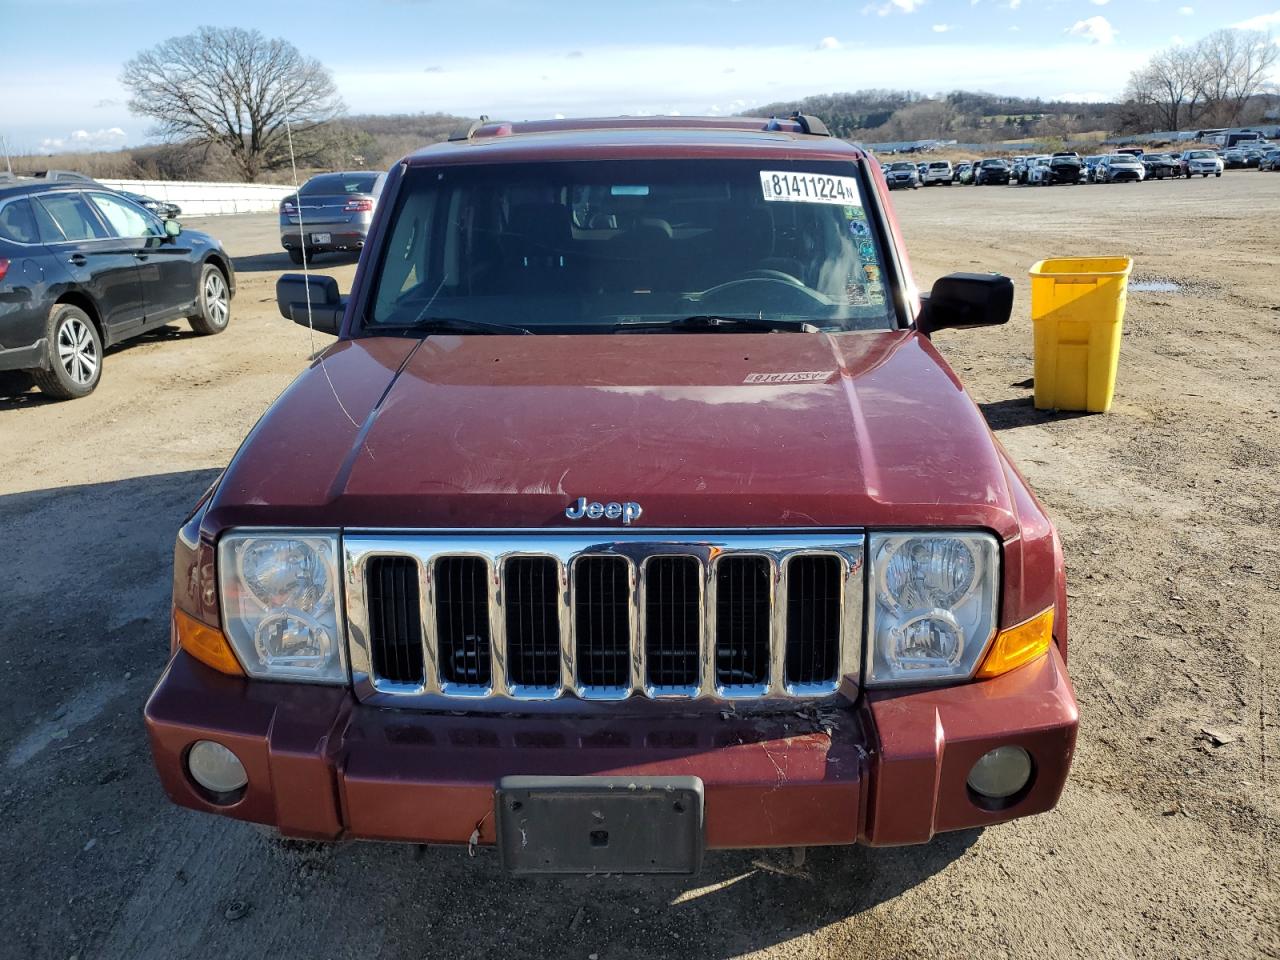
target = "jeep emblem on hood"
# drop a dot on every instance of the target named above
(626, 512)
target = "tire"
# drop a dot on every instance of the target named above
(215, 302)
(74, 355)
(296, 256)
(1218, 174)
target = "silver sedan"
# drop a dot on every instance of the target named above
(332, 211)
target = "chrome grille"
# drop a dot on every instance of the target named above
(641, 613)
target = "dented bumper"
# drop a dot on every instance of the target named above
(889, 770)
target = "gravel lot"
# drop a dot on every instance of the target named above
(1164, 845)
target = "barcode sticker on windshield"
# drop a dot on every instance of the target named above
(809, 188)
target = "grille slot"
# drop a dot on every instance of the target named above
(813, 619)
(742, 621)
(673, 621)
(532, 586)
(462, 621)
(395, 624)
(602, 621)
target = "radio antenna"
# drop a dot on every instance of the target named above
(306, 272)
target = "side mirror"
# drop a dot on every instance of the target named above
(295, 290)
(966, 300)
(172, 228)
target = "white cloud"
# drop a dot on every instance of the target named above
(1014, 4)
(1099, 3)
(1186, 11)
(76, 140)
(1177, 40)
(1094, 29)
(1015, 29)
(828, 43)
(1263, 21)
(942, 28)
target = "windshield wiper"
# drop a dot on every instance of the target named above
(454, 325)
(711, 321)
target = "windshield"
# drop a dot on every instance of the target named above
(994, 163)
(1199, 155)
(585, 246)
(902, 166)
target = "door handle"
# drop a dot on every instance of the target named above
(79, 259)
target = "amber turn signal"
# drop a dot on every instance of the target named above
(1018, 645)
(205, 643)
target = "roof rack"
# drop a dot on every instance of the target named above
(480, 129)
(810, 124)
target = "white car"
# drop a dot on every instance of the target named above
(1203, 162)
(939, 171)
(1038, 170)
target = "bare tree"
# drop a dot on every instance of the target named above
(1171, 86)
(1210, 81)
(1235, 65)
(234, 89)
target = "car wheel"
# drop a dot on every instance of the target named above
(74, 359)
(215, 302)
(1218, 174)
(295, 255)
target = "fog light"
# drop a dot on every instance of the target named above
(216, 768)
(1000, 773)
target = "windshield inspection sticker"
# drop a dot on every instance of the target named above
(779, 185)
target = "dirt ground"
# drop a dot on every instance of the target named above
(1164, 844)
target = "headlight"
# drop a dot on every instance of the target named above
(280, 604)
(934, 605)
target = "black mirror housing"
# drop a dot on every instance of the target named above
(966, 300)
(295, 290)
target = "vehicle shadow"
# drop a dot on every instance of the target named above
(279, 261)
(1021, 412)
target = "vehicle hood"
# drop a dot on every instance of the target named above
(702, 430)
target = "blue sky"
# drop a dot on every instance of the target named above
(522, 60)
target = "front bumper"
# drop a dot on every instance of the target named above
(891, 769)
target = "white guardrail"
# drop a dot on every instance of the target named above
(208, 199)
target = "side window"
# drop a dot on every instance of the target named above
(18, 223)
(73, 215)
(125, 219)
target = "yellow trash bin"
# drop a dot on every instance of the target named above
(1077, 310)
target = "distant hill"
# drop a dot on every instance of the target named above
(883, 115)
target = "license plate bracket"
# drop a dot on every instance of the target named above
(592, 825)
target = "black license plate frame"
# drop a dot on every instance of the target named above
(597, 825)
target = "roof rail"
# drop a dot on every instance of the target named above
(810, 124)
(482, 128)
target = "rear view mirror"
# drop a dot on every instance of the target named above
(967, 300)
(296, 291)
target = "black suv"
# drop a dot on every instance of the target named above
(82, 268)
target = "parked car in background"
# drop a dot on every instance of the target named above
(903, 174)
(83, 268)
(1252, 157)
(1120, 168)
(991, 170)
(1159, 166)
(961, 171)
(1233, 158)
(1091, 165)
(331, 212)
(610, 665)
(1203, 162)
(1270, 160)
(1063, 167)
(1023, 173)
(161, 208)
(1037, 171)
(938, 172)
(1132, 152)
